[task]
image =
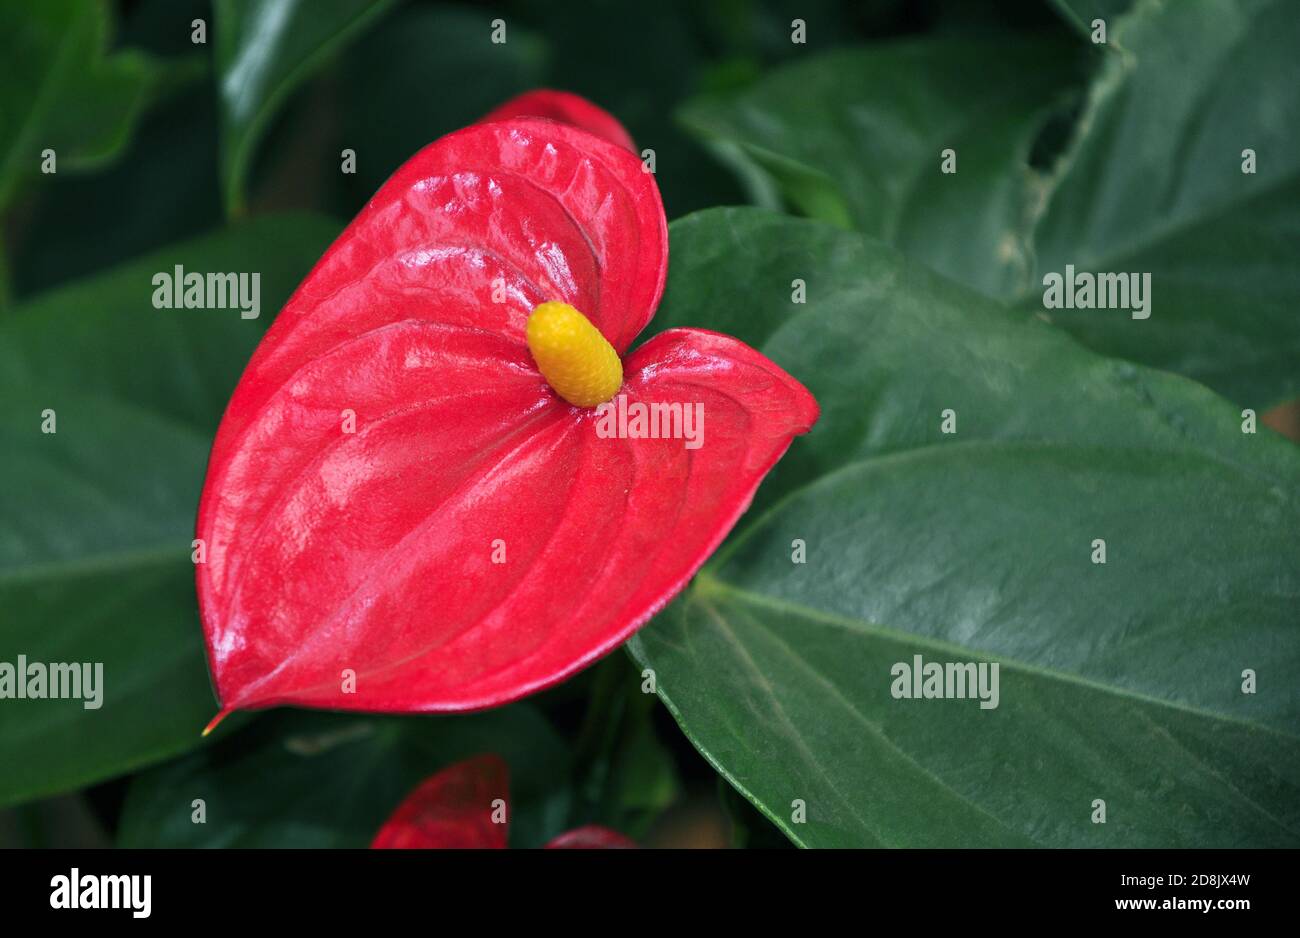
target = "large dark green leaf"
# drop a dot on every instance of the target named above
(264, 50)
(1154, 184)
(855, 137)
(1119, 682)
(300, 779)
(58, 89)
(96, 519)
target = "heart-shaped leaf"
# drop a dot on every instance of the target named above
(1152, 687)
(109, 408)
(401, 515)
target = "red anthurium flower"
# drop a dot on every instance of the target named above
(466, 806)
(442, 483)
(567, 109)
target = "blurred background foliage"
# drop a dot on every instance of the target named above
(232, 146)
(393, 78)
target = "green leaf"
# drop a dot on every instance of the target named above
(96, 519)
(1119, 681)
(1154, 184)
(301, 779)
(626, 777)
(264, 50)
(856, 137)
(164, 189)
(59, 89)
(638, 61)
(750, 829)
(423, 73)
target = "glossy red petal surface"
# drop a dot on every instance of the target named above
(592, 837)
(451, 810)
(374, 554)
(566, 108)
(391, 437)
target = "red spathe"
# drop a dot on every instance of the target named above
(567, 108)
(453, 810)
(400, 514)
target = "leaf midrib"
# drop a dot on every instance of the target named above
(92, 564)
(874, 460)
(708, 580)
(862, 718)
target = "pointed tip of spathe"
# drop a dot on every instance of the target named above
(212, 725)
